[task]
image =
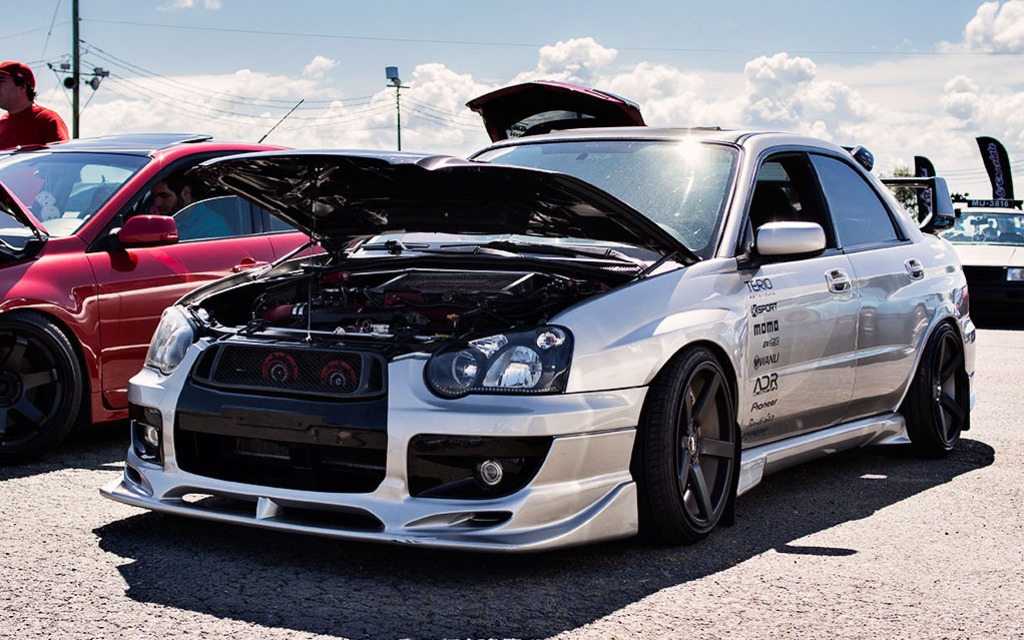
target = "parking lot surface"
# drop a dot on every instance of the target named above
(868, 544)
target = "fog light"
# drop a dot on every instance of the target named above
(1015, 274)
(147, 431)
(151, 436)
(473, 467)
(490, 472)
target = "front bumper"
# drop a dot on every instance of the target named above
(582, 493)
(991, 291)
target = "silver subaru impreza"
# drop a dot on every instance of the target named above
(580, 334)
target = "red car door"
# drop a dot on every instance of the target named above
(136, 284)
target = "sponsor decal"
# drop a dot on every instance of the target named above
(766, 383)
(766, 327)
(761, 309)
(771, 342)
(758, 285)
(768, 417)
(761, 406)
(765, 360)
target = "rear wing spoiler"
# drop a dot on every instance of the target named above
(927, 199)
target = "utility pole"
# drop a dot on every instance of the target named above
(74, 70)
(74, 81)
(396, 82)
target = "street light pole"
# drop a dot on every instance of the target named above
(396, 82)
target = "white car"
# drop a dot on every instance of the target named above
(573, 337)
(989, 239)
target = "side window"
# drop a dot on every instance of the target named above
(200, 211)
(216, 217)
(277, 224)
(787, 191)
(859, 214)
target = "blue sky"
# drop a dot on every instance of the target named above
(903, 78)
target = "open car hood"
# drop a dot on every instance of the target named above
(538, 107)
(341, 197)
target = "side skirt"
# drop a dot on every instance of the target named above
(759, 461)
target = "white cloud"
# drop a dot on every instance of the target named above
(578, 60)
(668, 96)
(191, 4)
(784, 92)
(997, 28)
(318, 66)
(961, 98)
(774, 75)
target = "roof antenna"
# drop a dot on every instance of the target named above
(280, 121)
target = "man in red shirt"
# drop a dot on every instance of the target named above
(25, 122)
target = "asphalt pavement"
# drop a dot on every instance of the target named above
(866, 544)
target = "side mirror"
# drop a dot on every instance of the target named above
(789, 238)
(148, 231)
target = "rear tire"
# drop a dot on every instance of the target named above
(937, 406)
(685, 459)
(41, 386)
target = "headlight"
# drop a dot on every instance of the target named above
(532, 361)
(1015, 274)
(173, 336)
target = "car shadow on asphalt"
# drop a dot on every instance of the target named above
(362, 591)
(102, 446)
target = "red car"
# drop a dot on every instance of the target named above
(91, 254)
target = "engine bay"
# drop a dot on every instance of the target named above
(417, 306)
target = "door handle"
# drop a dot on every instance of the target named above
(838, 281)
(914, 268)
(248, 263)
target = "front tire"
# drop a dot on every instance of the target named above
(937, 406)
(41, 386)
(685, 460)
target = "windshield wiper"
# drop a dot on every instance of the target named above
(520, 248)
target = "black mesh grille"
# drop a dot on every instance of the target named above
(287, 465)
(292, 370)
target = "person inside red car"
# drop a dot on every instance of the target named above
(175, 193)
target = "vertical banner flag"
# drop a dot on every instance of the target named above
(923, 168)
(997, 163)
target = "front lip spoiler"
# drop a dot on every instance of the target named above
(611, 517)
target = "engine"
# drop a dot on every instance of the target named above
(417, 304)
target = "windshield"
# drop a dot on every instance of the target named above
(681, 185)
(987, 227)
(64, 190)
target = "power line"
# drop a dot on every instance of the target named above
(248, 100)
(462, 120)
(120, 85)
(463, 114)
(482, 43)
(49, 31)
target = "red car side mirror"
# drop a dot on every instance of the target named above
(148, 231)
